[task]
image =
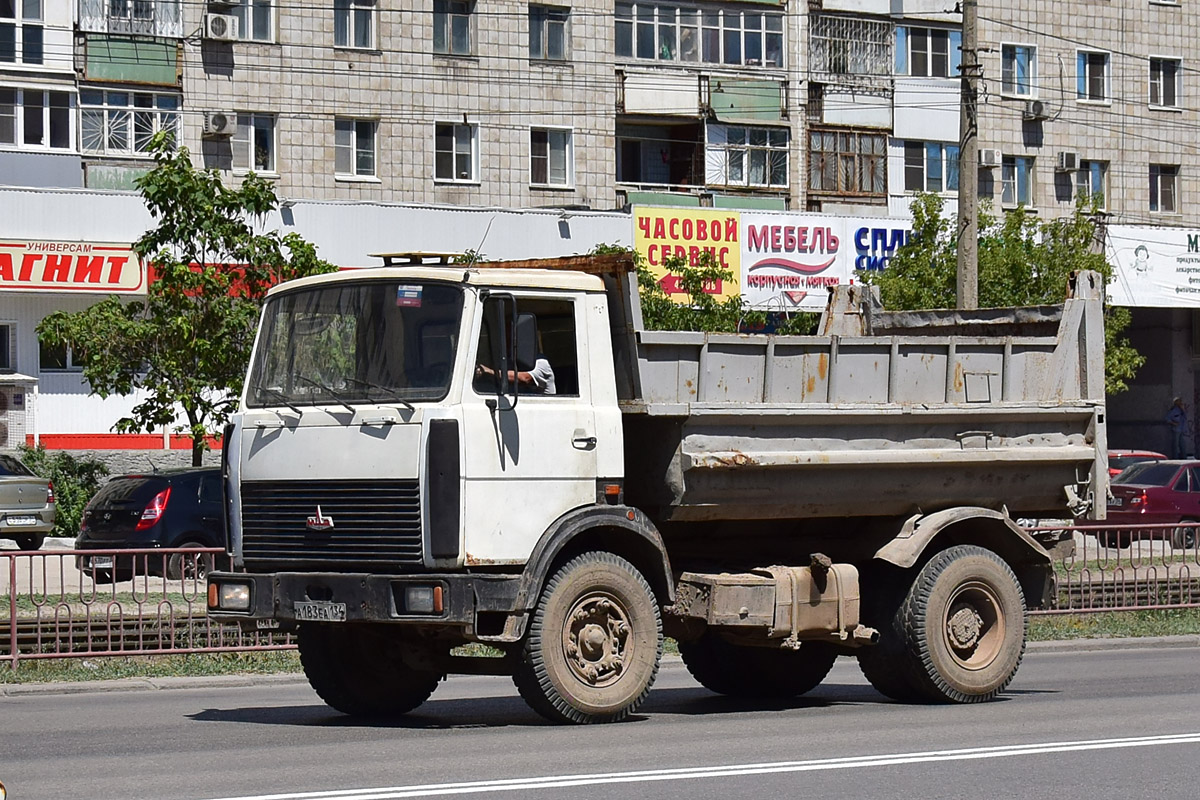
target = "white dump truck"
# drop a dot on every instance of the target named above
(431, 455)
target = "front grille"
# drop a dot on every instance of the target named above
(376, 525)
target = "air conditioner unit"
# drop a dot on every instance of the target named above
(221, 27)
(1035, 110)
(989, 157)
(1067, 162)
(220, 123)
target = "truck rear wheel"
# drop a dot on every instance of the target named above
(756, 672)
(594, 643)
(359, 671)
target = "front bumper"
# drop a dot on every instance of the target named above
(366, 597)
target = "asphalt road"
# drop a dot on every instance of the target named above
(1087, 725)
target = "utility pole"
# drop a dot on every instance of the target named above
(968, 162)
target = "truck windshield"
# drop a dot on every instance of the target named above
(353, 343)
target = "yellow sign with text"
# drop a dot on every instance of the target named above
(660, 234)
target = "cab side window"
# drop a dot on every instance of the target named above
(556, 346)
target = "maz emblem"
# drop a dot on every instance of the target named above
(319, 522)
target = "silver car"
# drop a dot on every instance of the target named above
(26, 505)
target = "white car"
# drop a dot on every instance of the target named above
(26, 505)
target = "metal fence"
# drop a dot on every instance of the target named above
(75, 603)
(78, 603)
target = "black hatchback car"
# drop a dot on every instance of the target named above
(173, 509)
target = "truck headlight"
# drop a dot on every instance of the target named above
(423, 599)
(229, 596)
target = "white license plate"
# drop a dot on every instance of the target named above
(320, 611)
(1116, 501)
(102, 562)
(266, 624)
(16, 520)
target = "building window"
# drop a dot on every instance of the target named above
(21, 32)
(1164, 188)
(1091, 81)
(1164, 82)
(122, 123)
(550, 157)
(353, 23)
(847, 162)
(1092, 181)
(846, 46)
(743, 156)
(547, 33)
(452, 27)
(455, 152)
(928, 52)
(57, 358)
(33, 119)
(354, 147)
(1016, 178)
(255, 21)
(930, 167)
(1018, 69)
(254, 143)
(671, 33)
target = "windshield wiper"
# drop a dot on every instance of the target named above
(391, 393)
(332, 393)
(278, 395)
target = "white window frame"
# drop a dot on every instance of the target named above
(732, 154)
(20, 23)
(244, 11)
(1009, 82)
(1010, 181)
(1085, 183)
(353, 127)
(944, 161)
(244, 139)
(445, 13)
(1083, 75)
(1156, 188)
(358, 13)
(566, 153)
(456, 152)
(546, 24)
(1157, 82)
(111, 116)
(904, 51)
(17, 119)
(69, 358)
(700, 35)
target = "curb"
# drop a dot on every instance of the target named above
(668, 661)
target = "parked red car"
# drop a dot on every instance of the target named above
(1120, 460)
(1156, 492)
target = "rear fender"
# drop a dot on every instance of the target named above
(923, 535)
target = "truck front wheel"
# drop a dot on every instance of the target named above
(594, 642)
(756, 672)
(358, 670)
(959, 634)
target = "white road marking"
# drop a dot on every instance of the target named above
(731, 770)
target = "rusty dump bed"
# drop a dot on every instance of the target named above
(883, 414)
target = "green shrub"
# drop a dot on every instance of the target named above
(75, 481)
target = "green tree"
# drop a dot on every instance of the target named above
(188, 343)
(75, 481)
(1022, 261)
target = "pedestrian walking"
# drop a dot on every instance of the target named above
(1178, 422)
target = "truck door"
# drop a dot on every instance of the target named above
(527, 462)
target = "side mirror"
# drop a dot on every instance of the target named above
(498, 310)
(526, 342)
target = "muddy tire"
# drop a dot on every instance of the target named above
(964, 622)
(882, 663)
(594, 643)
(1184, 537)
(358, 670)
(756, 672)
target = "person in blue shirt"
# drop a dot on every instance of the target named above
(1178, 422)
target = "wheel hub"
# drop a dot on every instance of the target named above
(595, 639)
(964, 627)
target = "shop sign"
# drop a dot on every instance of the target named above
(660, 234)
(58, 266)
(1154, 267)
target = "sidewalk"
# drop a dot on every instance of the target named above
(668, 662)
